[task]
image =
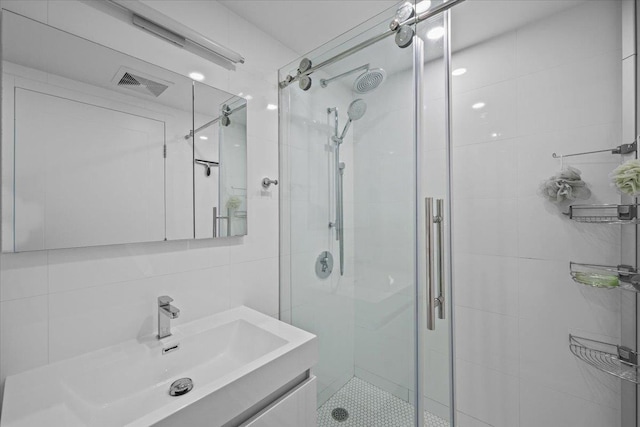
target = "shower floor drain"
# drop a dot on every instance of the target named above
(340, 414)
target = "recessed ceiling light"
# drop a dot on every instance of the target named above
(423, 6)
(478, 105)
(196, 76)
(459, 71)
(272, 107)
(435, 33)
(203, 137)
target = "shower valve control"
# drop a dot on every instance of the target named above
(324, 265)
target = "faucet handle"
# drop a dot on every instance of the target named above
(164, 300)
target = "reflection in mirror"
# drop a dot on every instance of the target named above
(93, 144)
(220, 158)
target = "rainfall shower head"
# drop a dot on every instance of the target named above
(369, 80)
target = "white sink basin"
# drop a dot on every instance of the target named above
(235, 359)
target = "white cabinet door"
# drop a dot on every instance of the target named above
(297, 409)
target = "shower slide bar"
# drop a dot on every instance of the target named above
(395, 25)
(339, 188)
(620, 149)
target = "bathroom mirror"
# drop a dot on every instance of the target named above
(220, 163)
(99, 148)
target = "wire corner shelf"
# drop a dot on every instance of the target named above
(604, 214)
(613, 359)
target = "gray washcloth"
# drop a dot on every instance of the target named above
(565, 185)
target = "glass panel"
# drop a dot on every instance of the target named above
(361, 305)
(220, 163)
(530, 79)
(433, 182)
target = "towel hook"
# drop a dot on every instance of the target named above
(266, 182)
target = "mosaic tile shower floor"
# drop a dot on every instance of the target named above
(369, 406)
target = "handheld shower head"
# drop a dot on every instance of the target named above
(356, 110)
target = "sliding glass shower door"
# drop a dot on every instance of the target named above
(362, 149)
(432, 86)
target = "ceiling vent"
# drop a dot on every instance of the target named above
(140, 82)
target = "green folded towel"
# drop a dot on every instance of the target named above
(597, 280)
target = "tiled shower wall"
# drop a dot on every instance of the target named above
(322, 306)
(550, 86)
(60, 303)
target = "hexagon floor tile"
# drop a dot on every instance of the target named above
(369, 406)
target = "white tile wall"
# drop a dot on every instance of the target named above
(550, 86)
(56, 304)
(486, 394)
(322, 306)
(541, 406)
(383, 191)
(24, 329)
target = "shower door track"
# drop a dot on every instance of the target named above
(411, 21)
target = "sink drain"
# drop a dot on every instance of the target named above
(340, 414)
(181, 386)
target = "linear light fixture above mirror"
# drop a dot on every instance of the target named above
(167, 28)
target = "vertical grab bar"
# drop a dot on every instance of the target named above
(429, 277)
(439, 220)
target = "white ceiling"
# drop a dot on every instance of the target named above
(303, 25)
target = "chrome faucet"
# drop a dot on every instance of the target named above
(166, 312)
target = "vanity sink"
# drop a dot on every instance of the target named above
(238, 361)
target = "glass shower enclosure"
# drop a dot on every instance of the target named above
(365, 217)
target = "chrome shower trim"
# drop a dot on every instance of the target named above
(325, 82)
(357, 48)
(225, 113)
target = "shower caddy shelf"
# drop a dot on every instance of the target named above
(604, 214)
(613, 359)
(628, 277)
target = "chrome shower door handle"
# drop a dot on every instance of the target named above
(439, 220)
(429, 276)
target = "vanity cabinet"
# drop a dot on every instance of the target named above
(295, 409)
